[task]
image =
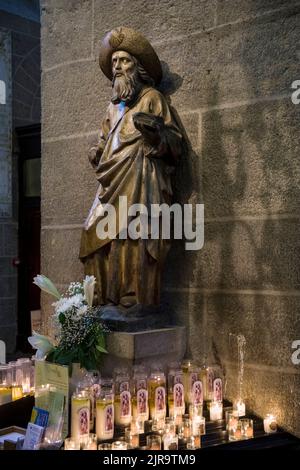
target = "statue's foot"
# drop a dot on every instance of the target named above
(128, 301)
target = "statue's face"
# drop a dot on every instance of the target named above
(122, 64)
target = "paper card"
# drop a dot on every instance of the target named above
(39, 416)
(34, 436)
(11, 436)
(52, 377)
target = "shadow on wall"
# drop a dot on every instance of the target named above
(186, 189)
(253, 150)
(250, 174)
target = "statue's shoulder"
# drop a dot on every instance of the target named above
(153, 94)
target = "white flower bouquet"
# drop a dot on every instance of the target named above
(79, 333)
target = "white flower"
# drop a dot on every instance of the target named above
(66, 303)
(41, 343)
(82, 310)
(46, 285)
(89, 287)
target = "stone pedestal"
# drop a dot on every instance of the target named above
(127, 349)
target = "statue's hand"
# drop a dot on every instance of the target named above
(150, 126)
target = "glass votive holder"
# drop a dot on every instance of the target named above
(231, 418)
(193, 443)
(50, 445)
(88, 441)
(270, 424)
(198, 425)
(132, 437)
(195, 410)
(216, 410)
(178, 419)
(138, 425)
(247, 428)
(72, 444)
(158, 425)
(235, 432)
(187, 428)
(154, 442)
(119, 445)
(104, 446)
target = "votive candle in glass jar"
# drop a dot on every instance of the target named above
(270, 424)
(235, 432)
(5, 384)
(105, 414)
(122, 399)
(23, 373)
(80, 414)
(154, 442)
(187, 428)
(140, 407)
(247, 428)
(119, 445)
(72, 444)
(104, 446)
(157, 394)
(216, 410)
(198, 425)
(176, 399)
(232, 418)
(16, 388)
(132, 437)
(88, 442)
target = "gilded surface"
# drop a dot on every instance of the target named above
(138, 146)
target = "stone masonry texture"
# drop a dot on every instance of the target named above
(228, 70)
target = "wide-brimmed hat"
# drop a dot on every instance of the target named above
(133, 42)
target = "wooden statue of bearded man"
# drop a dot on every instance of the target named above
(138, 146)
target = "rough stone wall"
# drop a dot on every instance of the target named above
(26, 108)
(230, 65)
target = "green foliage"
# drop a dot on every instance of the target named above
(89, 353)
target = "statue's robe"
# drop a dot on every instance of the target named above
(128, 166)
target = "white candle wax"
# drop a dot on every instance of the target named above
(270, 424)
(123, 409)
(198, 425)
(80, 415)
(216, 410)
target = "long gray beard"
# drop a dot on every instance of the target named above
(125, 88)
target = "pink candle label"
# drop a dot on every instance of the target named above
(84, 420)
(197, 393)
(178, 393)
(160, 399)
(124, 386)
(109, 418)
(218, 389)
(125, 399)
(142, 400)
(141, 384)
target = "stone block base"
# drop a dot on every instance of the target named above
(127, 349)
